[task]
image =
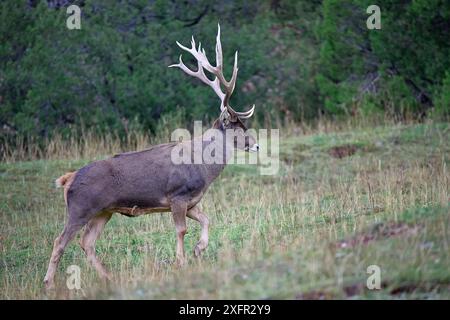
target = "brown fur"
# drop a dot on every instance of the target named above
(65, 181)
(61, 181)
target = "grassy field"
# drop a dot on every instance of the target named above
(341, 202)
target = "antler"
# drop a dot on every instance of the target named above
(203, 63)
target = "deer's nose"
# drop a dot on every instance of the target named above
(254, 148)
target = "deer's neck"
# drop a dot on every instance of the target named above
(216, 148)
(216, 152)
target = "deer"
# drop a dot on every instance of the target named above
(147, 181)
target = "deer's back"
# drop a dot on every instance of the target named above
(144, 179)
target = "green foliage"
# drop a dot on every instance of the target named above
(112, 74)
(297, 60)
(400, 66)
(443, 98)
(294, 28)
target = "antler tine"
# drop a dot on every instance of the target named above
(229, 86)
(200, 75)
(203, 63)
(219, 57)
(245, 114)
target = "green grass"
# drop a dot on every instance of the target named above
(271, 237)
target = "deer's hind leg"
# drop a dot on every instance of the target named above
(70, 230)
(91, 233)
(79, 213)
(196, 214)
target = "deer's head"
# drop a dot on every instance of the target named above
(229, 119)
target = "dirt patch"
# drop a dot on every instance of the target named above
(340, 152)
(357, 289)
(421, 287)
(380, 231)
(348, 291)
(316, 295)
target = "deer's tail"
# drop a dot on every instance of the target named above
(64, 179)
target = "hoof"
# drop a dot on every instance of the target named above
(49, 285)
(107, 277)
(197, 251)
(180, 263)
(199, 248)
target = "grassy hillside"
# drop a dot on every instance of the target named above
(341, 202)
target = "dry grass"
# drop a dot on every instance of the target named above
(86, 144)
(271, 236)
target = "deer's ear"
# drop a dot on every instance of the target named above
(216, 124)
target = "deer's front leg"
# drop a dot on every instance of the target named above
(196, 214)
(179, 217)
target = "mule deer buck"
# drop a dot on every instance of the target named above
(142, 182)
